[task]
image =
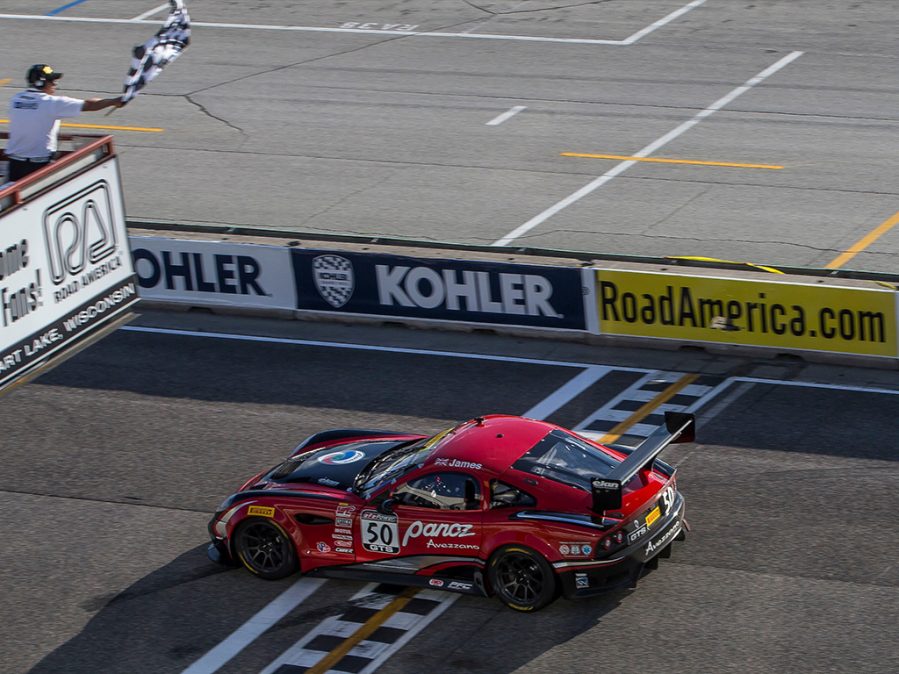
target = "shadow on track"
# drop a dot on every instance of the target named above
(170, 618)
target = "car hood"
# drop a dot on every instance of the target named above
(335, 466)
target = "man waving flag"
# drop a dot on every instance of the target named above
(160, 50)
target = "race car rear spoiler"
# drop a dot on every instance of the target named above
(678, 427)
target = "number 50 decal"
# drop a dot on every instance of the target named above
(379, 532)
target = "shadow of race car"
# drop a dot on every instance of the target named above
(498, 505)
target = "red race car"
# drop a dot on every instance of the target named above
(502, 505)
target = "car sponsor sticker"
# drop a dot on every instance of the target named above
(637, 532)
(342, 537)
(344, 522)
(653, 515)
(345, 510)
(345, 551)
(437, 530)
(348, 532)
(581, 581)
(652, 546)
(380, 532)
(459, 585)
(342, 457)
(323, 547)
(451, 545)
(261, 511)
(435, 582)
(575, 549)
(327, 481)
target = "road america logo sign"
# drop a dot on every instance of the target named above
(334, 279)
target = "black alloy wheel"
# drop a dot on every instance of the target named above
(265, 549)
(522, 578)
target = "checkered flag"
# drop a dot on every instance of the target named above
(160, 50)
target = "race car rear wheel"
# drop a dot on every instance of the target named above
(265, 549)
(522, 578)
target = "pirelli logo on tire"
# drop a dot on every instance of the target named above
(857, 321)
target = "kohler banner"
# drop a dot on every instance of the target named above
(65, 269)
(467, 291)
(213, 273)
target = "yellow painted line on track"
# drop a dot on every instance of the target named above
(365, 631)
(647, 408)
(656, 160)
(864, 242)
(140, 129)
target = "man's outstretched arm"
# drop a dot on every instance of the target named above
(92, 104)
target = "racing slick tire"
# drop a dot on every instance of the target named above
(264, 548)
(521, 578)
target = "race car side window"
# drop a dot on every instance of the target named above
(504, 495)
(442, 491)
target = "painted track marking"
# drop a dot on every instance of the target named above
(244, 635)
(643, 32)
(72, 125)
(658, 160)
(657, 144)
(148, 14)
(864, 242)
(499, 119)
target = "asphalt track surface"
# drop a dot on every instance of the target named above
(114, 461)
(395, 117)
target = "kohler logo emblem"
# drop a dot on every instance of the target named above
(334, 279)
(465, 290)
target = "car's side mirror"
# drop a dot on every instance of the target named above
(385, 507)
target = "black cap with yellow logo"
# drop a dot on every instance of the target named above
(40, 73)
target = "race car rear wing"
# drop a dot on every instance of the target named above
(678, 427)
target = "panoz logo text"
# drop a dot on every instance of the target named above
(81, 240)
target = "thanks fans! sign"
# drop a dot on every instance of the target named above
(65, 269)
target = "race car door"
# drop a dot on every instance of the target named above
(434, 514)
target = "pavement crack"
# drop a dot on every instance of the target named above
(532, 11)
(346, 198)
(316, 59)
(205, 111)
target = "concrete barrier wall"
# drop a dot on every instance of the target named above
(731, 310)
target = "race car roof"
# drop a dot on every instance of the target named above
(492, 443)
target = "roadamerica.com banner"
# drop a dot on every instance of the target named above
(461, 291)
(65, 269)
(818, 317)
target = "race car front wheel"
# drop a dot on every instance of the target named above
(522, 578)
(265, 549)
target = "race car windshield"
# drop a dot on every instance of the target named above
(394, 463)
(565, 458)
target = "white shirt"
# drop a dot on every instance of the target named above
(34, 122)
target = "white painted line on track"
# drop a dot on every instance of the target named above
(147, 15)
(661, 22)
(499, 119)
(808, 384)
(324, 29)
(567, 392)
(369, 347)
(645, 152)
(244, 635)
